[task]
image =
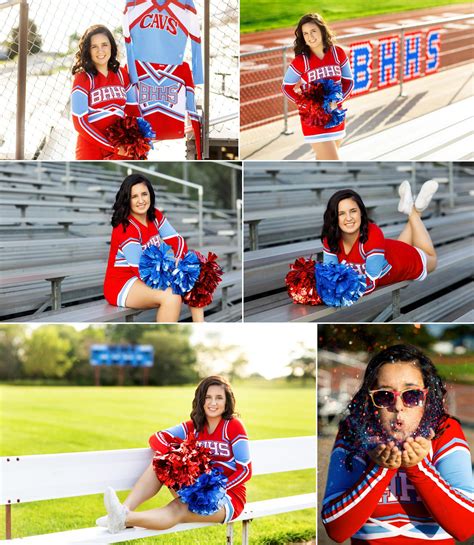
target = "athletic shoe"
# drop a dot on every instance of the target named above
(117, 513)
(103, 522)
(428, 189)
(405, 205)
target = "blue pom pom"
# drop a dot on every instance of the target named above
(156, 266)
(206, 495)
(145, 128)
(332, 91)
(186, 273)
(339, 285)
(338, 116)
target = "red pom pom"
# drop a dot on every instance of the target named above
(126, 132)
(310, 106)
(209, 278)
(301, 282)
(182, 464)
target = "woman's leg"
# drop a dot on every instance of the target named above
(142, 296)
(170, 515)
(145, 488)
(325, 151)
(416, 234)
(197, 314)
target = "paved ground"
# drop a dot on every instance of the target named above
(375, 114)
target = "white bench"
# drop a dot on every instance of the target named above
(52, 476)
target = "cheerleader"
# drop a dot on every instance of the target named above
(137, 224)
(101, 94)
(213, 422)
(400, 470)
(349, 236)
(318, 58)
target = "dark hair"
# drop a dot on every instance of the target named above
(122, 200)
(198, 415)
(331, 229)
(299, 45)
(361, 423)
(83, 60)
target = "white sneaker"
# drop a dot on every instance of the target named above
(405, 205)
(103, 522)
(428, 189)
(117, 513)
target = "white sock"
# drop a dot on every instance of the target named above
(428, 189)
(116, 512)
(405, 205)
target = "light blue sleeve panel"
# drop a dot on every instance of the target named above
(132, 251)
(456, 469)
(340, 478)
(79, 102)
(374, 265)
(329, 258)
(291, 77)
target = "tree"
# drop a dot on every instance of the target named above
(35, 41)
(215, 357)
(49, 352)
(11, 339)
(303, 364)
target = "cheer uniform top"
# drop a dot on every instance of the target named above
(431, 502)
(96, 103)
(165, 93)
(229, 446)
(158, 31)
(334, 65)
(126, 248)
(382, 260)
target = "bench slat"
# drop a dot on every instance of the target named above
(51, 476)
(253, 510)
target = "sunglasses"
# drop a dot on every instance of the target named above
(411, 397)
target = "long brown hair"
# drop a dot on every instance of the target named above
(83, 60)
(198, 415)
(300, 46)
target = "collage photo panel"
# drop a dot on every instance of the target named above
(236, 284)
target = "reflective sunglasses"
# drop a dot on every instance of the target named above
(411, 397)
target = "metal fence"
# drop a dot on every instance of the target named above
(51, 31)
(261, 72)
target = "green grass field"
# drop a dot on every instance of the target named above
(265, 14)
(40, 420)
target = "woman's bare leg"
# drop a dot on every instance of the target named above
(170, 515)
(416, 234)
(338, 143)
(145, 488)
(142, 296)
(197, 314)
(326, 151)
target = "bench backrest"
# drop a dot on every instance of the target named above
(52, 476)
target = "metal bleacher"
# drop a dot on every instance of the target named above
(269, 192)
(55, 232)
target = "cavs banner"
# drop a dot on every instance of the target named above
(376, 64)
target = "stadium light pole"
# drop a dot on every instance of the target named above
(21, 88)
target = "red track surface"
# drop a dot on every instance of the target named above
(261, 74)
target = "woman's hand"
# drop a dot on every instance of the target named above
(332, 105)
(122, 151)
(414, 450)
(388, 456)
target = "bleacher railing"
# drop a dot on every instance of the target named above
(262, 72)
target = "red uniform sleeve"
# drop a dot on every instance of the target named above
(80, 113)
(443, 483)
(347, 79)
(344, 513)
(292, 77)
(160, 441)
(131, 106)
(169, 235)
(241, 452)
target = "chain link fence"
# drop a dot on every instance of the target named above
(262, 71)
(54, 30)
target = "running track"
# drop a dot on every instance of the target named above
(261, 99)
